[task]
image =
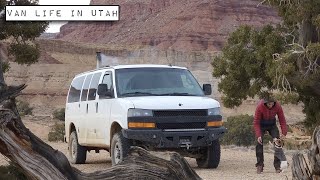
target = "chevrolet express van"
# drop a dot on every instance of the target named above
(158, 107)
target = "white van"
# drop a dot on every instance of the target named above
(158, 107)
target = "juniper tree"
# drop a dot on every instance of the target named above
(283, 58)
(20, 37)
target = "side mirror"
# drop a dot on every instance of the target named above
(207, 89)
(103, 90)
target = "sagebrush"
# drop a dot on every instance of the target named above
(57, 132)
(240, 131)
(24, 108)
(59, 114)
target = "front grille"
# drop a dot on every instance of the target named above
(187, 125)
(180, 113)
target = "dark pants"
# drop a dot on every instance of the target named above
(274, 132)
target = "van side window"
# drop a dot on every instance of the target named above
(94, 86)
(86, 87)
(75, 89)
(107, 79)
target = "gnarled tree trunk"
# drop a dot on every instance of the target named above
(303, 169)
(40, 161)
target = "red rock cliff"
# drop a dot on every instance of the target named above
(177, 24)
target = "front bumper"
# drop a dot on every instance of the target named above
(177, 138)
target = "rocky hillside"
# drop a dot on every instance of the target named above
(184, 25)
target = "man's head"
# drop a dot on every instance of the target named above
(269, 101)
(270, 104)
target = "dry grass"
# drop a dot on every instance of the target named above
(70, 58)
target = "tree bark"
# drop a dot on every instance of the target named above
(38, 160)
(307, 32)
(300, 169)
(1, 68)
(303, 170)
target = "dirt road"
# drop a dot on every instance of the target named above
(236, 162)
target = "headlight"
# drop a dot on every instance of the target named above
(139, 112)
(214, 111)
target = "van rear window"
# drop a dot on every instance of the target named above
(75, 89)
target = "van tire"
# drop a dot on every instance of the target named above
(211, 156)
(77, 153)
(120, 147)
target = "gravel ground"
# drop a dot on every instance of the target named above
(236, 162)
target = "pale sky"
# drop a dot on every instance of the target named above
(55, 26)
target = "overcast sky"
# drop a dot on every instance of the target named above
(55, 26)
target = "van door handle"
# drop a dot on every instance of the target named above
(97, 109)
(87, 108)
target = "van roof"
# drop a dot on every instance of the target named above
(134, 66)
(146, 65)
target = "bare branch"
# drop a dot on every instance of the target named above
(262, 2)
(281, 80)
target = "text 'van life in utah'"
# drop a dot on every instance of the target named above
(62, 13)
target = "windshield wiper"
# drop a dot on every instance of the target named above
(138, 93)
(176, 94)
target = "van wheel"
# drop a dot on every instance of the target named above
(77, 152)
(211, 156)
(119, 148)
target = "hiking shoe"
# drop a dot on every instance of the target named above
(259, 169)
(278, 171)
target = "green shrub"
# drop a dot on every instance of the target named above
(289, 129)
(240, 131)
(59, 114)
(24, 108)
(11, 172)
(57, 132)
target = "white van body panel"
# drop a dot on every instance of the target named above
(173, 102)
(74, 115)
(119, 113)
(91, 118)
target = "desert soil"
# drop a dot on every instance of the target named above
(236, 162)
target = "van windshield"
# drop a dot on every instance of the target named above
(156, 82)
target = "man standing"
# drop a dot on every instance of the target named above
(265, 121)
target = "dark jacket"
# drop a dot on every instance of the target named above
(267, 117)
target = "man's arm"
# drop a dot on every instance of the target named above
(282, 121)
(256, 122)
